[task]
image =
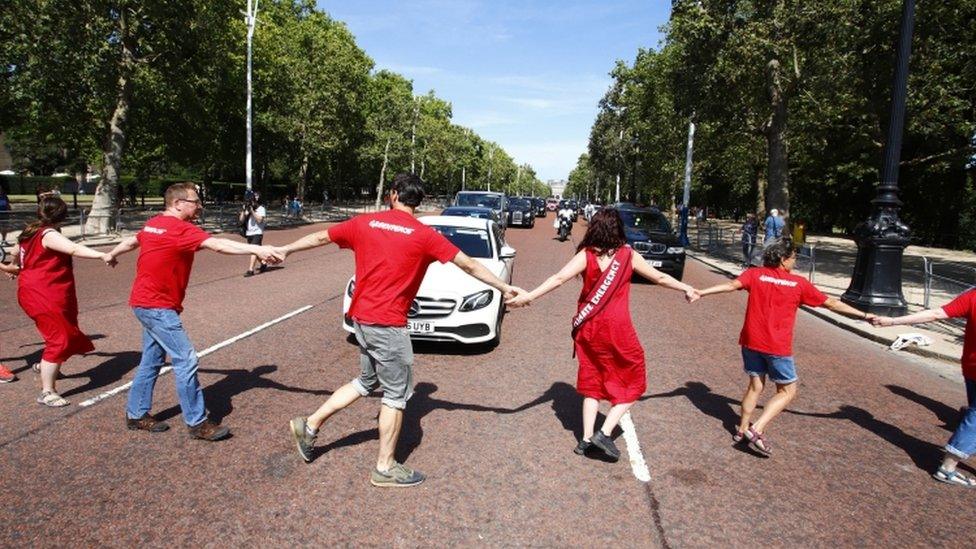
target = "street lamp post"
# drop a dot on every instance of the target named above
(619, 161)
(250, 18)
(881, 240)
(683, 237)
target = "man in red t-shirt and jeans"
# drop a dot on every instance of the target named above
(393, 251)
(962, 445)
(168, 243)
(775, 294)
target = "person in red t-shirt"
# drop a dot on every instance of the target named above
(392, 251)
(168, 243)
(767, 333)
(962, 445)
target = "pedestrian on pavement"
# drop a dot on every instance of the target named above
(611, 359)
(168, 243)
(774, 226)
(962, 444)
(253, 217)
(7, 376)
(750, 231)
(4, 216)
(46, 291)
(775, 293)
(392, 251)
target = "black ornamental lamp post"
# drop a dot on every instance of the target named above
(881, 240)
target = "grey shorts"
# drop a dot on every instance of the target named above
(385, 361)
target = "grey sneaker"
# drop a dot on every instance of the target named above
(398, 476)
(303, 440)
(605, 443)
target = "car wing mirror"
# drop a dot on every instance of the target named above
(508, 252)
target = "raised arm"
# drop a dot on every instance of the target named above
(56, 241)
(643, 268)
(920, 317)
(479, 271)
(730, 286)
(575, 266)
(232, 247)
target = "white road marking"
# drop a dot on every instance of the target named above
(201, 354)
(637, 463)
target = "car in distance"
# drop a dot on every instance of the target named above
(452, 306)
(521, 212)
(552, 204)
(468, 211)
(540, 206)
(484, 199)
(650, 234)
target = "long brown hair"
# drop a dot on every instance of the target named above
(51, 211)
(605, 232)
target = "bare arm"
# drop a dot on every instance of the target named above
(840, 307)
(730, 286)
(124, 247)
(575, 266)
(643, 268)
(479, 271)
(56, 241)
(915, 318)
(232, 247)
(307, 242)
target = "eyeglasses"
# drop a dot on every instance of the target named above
(195, 200)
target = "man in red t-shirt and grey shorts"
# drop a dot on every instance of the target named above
(775, 293)
(393, 251)
(168, 243)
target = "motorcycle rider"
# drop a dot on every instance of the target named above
(565, 214)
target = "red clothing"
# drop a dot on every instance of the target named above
(393, 251)
(46, 292)
(964, 306)
(167, 245)
(611, 359)
(774, 296)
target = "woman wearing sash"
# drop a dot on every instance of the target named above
(46, 292)
(611, 359)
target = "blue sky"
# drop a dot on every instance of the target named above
(525, 74)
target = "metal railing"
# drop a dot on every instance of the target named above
(727, 243)
(940, 286)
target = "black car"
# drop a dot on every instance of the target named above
(650, 234)
(465, 211)
(540, 206)
(521, 212)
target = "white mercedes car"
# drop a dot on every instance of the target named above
(451, 305)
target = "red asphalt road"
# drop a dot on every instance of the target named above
(494, 431)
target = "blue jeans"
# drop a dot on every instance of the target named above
(963, 441)
(780, 369)
(163, 334)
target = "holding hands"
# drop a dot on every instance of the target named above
(271, 255)
(517, 297)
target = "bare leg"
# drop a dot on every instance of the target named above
(252, 263)
(49, 375)
(613, 417)
(749, 400)
(344, 396)
(390, 421)
(784, 395)
(949, 462)
(590, 408)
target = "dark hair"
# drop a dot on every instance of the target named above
(409, 189)
(779, 251)
(51, 210)
(605, 231)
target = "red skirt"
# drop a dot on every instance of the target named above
(58, 326)
(611, 363)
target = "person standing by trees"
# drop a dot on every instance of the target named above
(168, 243)
(775, 293)
(46, 291)
(774, 226)
(750, 231)
(252, 216)
(962, 444)
(611, 359)
(4, 216)
(393, 251)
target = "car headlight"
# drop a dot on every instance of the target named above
(676, 250)
(476, 301)
(351, 288)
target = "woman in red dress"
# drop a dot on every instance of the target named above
(611, 359)
(46, 291)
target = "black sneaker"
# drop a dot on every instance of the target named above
(303, 440)
(398, 476)
(248, 273)
(582, 447)
(262, 268)
(605, 443)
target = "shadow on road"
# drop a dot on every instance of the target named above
(709, 403)
(106, 373)
(219, 396)
(35, 356)
(948, 415)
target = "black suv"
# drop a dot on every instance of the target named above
(521, 212)
(650, 234)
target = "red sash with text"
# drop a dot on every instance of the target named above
(613, 277)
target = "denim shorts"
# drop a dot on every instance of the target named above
(780, 369)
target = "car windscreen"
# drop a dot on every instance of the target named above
(480, 201)
(519, 204)
(462, 212)
(646, 221)
(473, 242)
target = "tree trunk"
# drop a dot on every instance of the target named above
(303, 178)
(379, 186)
(778, 192)
(100, 216)
(761, 191)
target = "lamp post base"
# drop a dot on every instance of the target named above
(876, 284)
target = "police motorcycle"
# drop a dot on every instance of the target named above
(564, 223)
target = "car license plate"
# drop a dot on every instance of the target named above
(416, 327)
(656, 263)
